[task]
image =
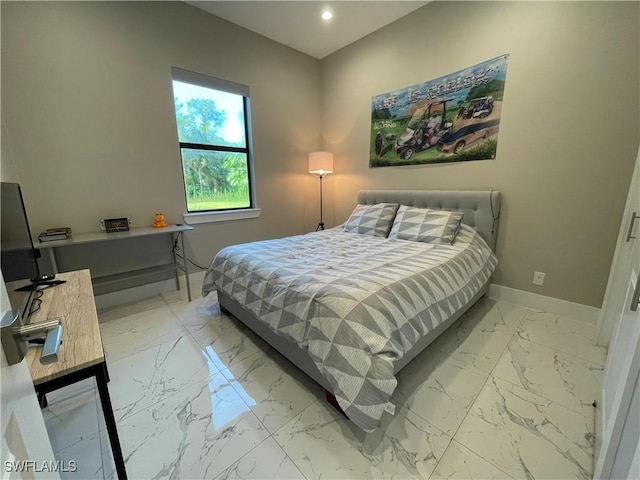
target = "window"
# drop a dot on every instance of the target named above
(213, 120)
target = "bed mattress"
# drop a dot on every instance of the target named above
(355, 303)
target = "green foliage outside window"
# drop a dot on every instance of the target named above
(213, 141)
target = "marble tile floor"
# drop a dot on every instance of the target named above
(505, 393)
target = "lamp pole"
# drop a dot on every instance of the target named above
(320, 164)
(321, 224)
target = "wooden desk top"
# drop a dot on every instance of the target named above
(81, 345)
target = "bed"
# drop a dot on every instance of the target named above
(352, 309)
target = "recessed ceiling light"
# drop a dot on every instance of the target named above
(327, 15)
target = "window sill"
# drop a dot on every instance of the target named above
(210, 217)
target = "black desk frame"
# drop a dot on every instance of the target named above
(99, 371)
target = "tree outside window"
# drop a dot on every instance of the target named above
(213, 132)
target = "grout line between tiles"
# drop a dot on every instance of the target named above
(561, 351)
(182, 328)
(164, 399)
(453, 437)
(537, 393)
(542, 396)
(85, 434)
(491, 375)
(98, 413)
(449, 355)
(441, 456)
(318, 400)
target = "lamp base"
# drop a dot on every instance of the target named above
(320, 227)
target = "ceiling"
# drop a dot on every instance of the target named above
(298, 25)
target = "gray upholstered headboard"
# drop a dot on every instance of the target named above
(481, 208)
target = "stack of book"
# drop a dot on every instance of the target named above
(52, 234)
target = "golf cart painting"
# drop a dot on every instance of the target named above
(453, 118)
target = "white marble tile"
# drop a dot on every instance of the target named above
(153, 375)
(275, 390)
(83, 387)
(207, 324)
(566, 379)
(564, 334)
(527, 436)
(493, 315)
(162, 352)
(225, 340)
(458, 462)
(478, 340)
(128, 335)
(131, 308)
(266, 461)
(198, 312)
(72, 414)
(181, 296)
(83, 460)
(108, 465)
(323, 444)
(197, 433)
(439, 388)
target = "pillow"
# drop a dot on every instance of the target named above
(374, 220)
(426, 225)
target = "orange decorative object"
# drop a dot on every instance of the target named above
(160, 221)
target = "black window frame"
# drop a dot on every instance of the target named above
(218, 84)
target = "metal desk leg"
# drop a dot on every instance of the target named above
(107, 411)
(186, 271)
(175, 260)
(106, 371)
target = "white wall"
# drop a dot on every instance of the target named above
(7, 165)
(569, 128)
(88, 107)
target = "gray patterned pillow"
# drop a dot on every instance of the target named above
(426, 225)
(374, 220)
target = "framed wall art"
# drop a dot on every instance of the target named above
(453, 118)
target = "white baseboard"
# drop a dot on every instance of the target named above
(552, 305)
(120, 297)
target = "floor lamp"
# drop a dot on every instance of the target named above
(320, 165)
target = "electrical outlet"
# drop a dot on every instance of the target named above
(538, 278)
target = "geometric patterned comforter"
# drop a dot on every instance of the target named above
(356, 303)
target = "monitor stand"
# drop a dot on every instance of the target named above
(41, 284)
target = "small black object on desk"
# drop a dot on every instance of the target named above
(40, 285)
(43, 278)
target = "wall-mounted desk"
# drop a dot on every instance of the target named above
(175, 231)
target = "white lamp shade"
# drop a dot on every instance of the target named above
(320, 163)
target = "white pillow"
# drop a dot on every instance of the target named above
(426, 225)
(374, 220)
